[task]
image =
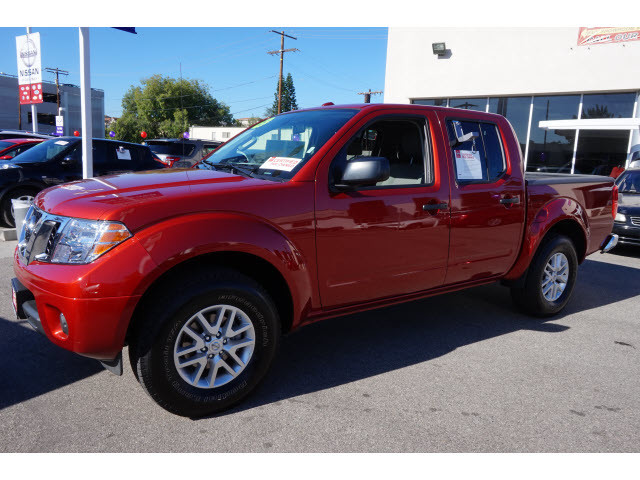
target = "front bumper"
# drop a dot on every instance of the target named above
(627, 234)
(83, 308)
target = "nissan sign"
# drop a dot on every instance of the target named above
(29, 68)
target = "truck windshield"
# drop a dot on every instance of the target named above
(278, 147)
(629, 182)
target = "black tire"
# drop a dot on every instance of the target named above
(152, 346)
(7, 212)
(530, 298)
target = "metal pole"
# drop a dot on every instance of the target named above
(34, 110)
(85, 104)
(280, 82)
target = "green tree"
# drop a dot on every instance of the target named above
(289, 101)
(167, 107)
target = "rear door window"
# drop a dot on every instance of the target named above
(480, 158)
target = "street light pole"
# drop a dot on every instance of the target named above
(85, 104)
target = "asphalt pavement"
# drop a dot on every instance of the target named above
(462, 372)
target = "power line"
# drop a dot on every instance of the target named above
(254, 108)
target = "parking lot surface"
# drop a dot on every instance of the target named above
(459, 372)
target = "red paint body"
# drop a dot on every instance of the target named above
(337, 252)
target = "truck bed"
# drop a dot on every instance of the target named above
(538, 178)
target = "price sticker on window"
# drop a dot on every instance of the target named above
(468, 165)
(285, 164)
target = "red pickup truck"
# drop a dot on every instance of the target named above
(308, 215)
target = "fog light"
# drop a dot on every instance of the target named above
(64, 325)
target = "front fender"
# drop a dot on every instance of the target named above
(178, 239)
(548, 216)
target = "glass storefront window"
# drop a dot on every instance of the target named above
(433, 102)
(552, 150)
(516, 110)
(479, 104)
(601, 150)
(608, 105)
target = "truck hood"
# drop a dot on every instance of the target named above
(142, 198)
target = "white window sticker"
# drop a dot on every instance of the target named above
(468, 165)
(123, 153)
(62, 142)
(286, 164)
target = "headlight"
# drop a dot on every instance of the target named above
(6, 166)
(620, 218)
(82, 241)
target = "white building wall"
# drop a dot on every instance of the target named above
(504, 61)
(220, 134)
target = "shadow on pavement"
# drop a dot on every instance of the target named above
(339, 350)
(350, 348)
(32, 366)
(626, 251)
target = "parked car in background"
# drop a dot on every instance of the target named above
(179, 153)
(59, 160)
(627, 221)
(23, 134)
(11, 147)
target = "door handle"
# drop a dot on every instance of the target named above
(430, 207)
(510, 201)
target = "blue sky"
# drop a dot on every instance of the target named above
(333, 64)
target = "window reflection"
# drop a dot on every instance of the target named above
(479, 104)
(432, 102)
(516, 110)
(552, 150)
(608, 105)
(599, 151)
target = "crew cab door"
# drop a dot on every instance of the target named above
(487, 198)
(386, 239)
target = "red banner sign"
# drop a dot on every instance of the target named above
(30, 93)
(601, 35)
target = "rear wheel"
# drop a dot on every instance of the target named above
(550, 279)
(204, 352)
(7, 207)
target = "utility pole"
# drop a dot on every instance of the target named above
(281, 52)
(58, 72)
(367, 95)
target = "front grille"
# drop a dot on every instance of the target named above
(635, 221)
(38, 235)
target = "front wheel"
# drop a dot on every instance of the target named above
(204, 352)
(550, 280)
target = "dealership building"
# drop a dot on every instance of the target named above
(571, 94)
(15, 116)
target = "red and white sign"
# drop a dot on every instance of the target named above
(601, 35)
(30, 93)
(286, 164)
(29, 68)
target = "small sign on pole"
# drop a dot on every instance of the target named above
(29, 68)
(59, 125)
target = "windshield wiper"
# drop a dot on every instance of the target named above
(227, 166)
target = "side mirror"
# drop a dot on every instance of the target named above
(6, 157)
(68, 161)
(362, 171)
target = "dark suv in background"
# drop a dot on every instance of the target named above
(59, 160)
(178, 153)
